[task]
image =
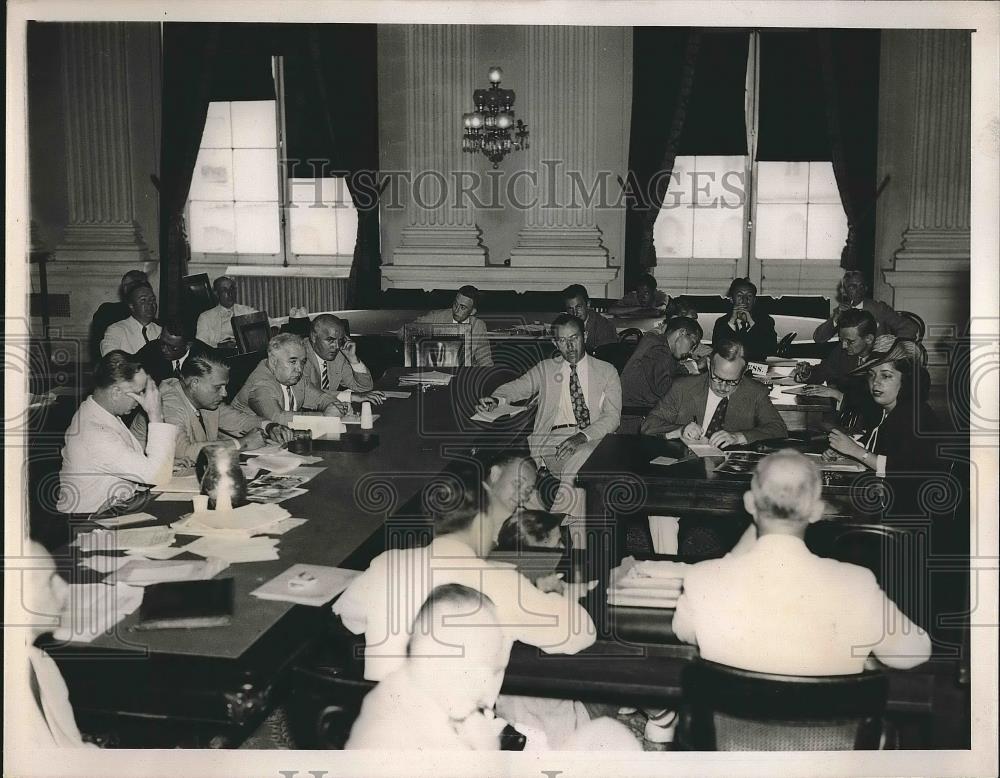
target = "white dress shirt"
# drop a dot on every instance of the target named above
(127, 336)
(565, 413)
(50, 719)
(104, 463)
(289, 396)
(384, 600)
(710, 405)
(215, 324)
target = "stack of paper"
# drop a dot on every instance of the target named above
(180, 484)
(318, 425)
(646, 584)
(503, 409)
(432, 377)
(136, 539)
(123, 521)
(143, 572)
(702, 448)
(397, 395)
(104, 563)
(93, 609)
(235, 549)
(840, 464)
(307, 584)
(243, 521)
(283, 462)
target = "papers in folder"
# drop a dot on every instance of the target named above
(312, 585)
(702, 448)
(502, 410)
(650, 584)
(431, 377)
(180, 484)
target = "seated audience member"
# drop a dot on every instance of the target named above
(215, 326)
(778, 608)
(131, 334)
(531, 529)
(49, 717)
(195, 405)
(644, 299)
(852, 291)
(275, 389)
(680, 308)
(719, 405)
(164, 357)
(599, 331)
(441, 696)
(104, 467)
(110, 312)
(511, 482)
(857, 338)
(466, 523)
(657, 360)
(579, 401)
(897, 416)
(463, 311)
(332, 362)
(753, 328)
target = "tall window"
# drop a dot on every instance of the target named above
(243, 208)
(780, 223)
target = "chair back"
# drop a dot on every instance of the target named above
(921, 327)
(728, 709)
(252, 332)
(630, 335)
(437, 345)
(617, 354)
(784, 343)
(240, 368)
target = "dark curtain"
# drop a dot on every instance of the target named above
(332, 130)
(190, 55)
(850, 67)
(687, 98)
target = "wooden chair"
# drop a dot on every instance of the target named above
(240, 368)
(921, 327)
(437, 345)
(617, 354)
(252, 332)
(727, 709)
(630, 335)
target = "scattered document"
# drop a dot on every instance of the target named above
(244, 520)
(664, 461)
(235, 549)
(174, 497)
(307, 584)
(263, 451)
(276, 488)
(279, 463)
(840, 464)
(317, 426)
(180, 484)
(704, 449)
(164, 552)
(93, 609)
(398, 395)
(144, 572)
(785, 380)
(432, 377)
(120, 540)
(123, 521)
(502, 410)
(103, 563)
(283, 526)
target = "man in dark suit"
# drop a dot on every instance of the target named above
(852, 292)
(753, 328)
(658, 360)
(839, 369)
(720, 405)
(163, 357)
(599, 331)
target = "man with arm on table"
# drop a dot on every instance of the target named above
(332, 362)
(720, 405)
(857, 338)
(778, 608)
(579, 401)
(275, 389)
(646, 299)
(599, 331)
(215, 326)
(463, 312)
(852, 292)
(195, 405)
(657, 360)
(105, 468)
(131, 334)
(753, 328)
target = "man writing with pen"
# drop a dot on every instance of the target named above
(195, 405)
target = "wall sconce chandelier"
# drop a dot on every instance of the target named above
(492, 128)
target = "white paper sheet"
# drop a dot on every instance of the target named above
(144, 572)
(119, 540)
(317, 425)
(124, 521)
(93, 609)
(180, 484)
(168, 552)
(283, 526)
(174, 497)
(502, 410)
(235, 550)
(704, 449)
(664, 461)
(103, 563)
(398, 395)
(312, 585)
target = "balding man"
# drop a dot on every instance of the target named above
(779, 608)
(332, 363)
(215, 325)
(110, 312)
(275, 390)
(852, 292)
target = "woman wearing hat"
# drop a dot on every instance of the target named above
(895, 413)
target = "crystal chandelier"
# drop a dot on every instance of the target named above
(492, 128)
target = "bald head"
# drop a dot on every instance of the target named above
(784, 492)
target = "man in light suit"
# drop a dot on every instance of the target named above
(275, 389)
(332, 362)
(195, 405)
(777, 607)
(463, 312)
(852, 292)
(131, 334)
(579, 401)
(215, 325)
(105, 468)
(720, 405)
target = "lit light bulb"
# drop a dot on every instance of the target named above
(496, 74)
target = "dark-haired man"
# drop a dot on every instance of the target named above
(463, 312)
(195, 405)
(645, 299)
(857, 338)
(852, 292)
(657, 360)
(719, 405)
(131, 334)
(751, 327)
(104, 465)
(163, 358)
(599, 331)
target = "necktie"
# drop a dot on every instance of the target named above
(177, 368)
(289, 397)
(324, 375)
(201, 421)
(145, 336)
(718, 418)
(580, 409)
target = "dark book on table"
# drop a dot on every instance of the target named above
(187, 605)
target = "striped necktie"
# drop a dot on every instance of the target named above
(324, 375)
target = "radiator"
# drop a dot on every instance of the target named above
(278, 294)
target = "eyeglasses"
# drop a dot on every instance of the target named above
(724, 381)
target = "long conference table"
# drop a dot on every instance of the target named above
(213, 686)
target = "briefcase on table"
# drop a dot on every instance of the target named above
(187, 605)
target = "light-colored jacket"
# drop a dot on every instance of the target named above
(339, 370)
(215, 325)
